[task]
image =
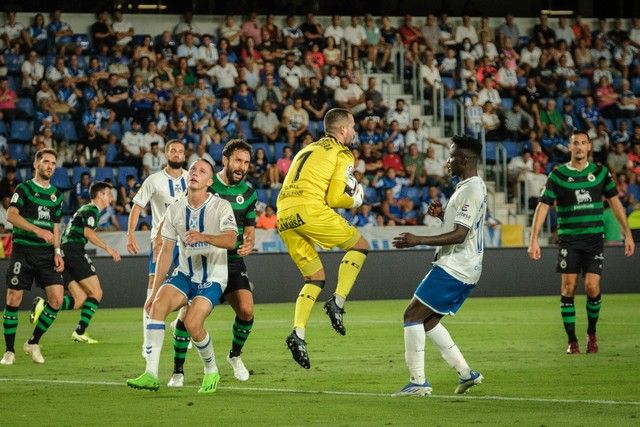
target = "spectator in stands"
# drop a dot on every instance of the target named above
(207, 55)
(271, 93)
(489, 94)
(408, 215)
(607, 99)
(491, 122)
(485, 48)
(186, 25)
(413, 162)
(153, 160)
(617, 158)
(583, 58)
(633, 159)
(75, 70)
(373, 42)
(133, 147)
(517, 169)
(251, 29)
(599, 51)
(509, 30)
(621, 134)
(200, 153)
(530, 57)
(349, 96)
(266, 123)
(430, 33)
(267, 219)
(188, 50)
(316, 102)
(417, 135)
(143, 69)
(123, 29)
(589, 113)
(81, 192)
(370, 134)
(56, 71)
(145, 50)
(141, 99)
(227, 120)
(507, 77)
(225, 75)
(311, 30)
(473, 113)
(97, 116)
(391, 158)
(201, 118)
(627, 102)
(8, 100)
(600, 144)
(409, 32)
(564, 31)
(365, 217)
(517, 123)
(290, 73)
(401, 115)
(372, 159)
(272, 29)
(295, 121)
(542, 33)
(466, 31)
(117, 97)
(581, 29)
(231, 32)
(244, 102)
(565, 75)
(430, 75)
(624, 55)
(8, 185)
(446, 31)
(550, 114)
(554, 145)
(335, 31)
(32, 72)
(292, 30)
(12, 33)
(166, 48)
(159, 118)
(184, 93)
(390, 180)
(35, 37)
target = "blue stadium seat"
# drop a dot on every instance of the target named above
(60, 179)
(215, 151)
(449, 107)
(104, 173)
(77, 173)
(635, 85)
(274, 197)
(25, 174)
(263, 195)
(266, 147)
(3, 128)
(13, 62)
(123, 221)
(609, 124)
(449, 82)
(371, 196)
(112, 153)
(21, 130)
(245, 126)
(18, 152)
(412, 193)
(123, 171)
(579, 104)
(507, 103)
(26, 106)
(49, 60)
(583, 84)
(66, 131)
(116, 130)
(277, 149)
(15, 82)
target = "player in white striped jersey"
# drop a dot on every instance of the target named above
(455, 272)
(203, 227)
(159, 190)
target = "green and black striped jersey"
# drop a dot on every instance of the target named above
(86, 216)
(243, 202)
(579, 196)
(39, 206)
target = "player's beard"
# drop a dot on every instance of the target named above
(44, 175)
(175, 165)
(231, 178)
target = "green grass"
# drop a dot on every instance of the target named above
(517, 343)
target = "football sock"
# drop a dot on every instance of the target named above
(88, 310)
(45, 320)
(448, 349)
(593, 312)
(348, 271)
(205, 349)
(145, 319)
(10, 325)
(414, 339)
(241, 330)
(154, 336)
(305, 302)
(180, 346)
(568, 311)
(67, 303)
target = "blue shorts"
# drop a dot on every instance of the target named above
(211, 291)
(152, 263)
(442, 292)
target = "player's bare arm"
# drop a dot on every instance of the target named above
(248, 242)
(57, 256)
(92, 236)
(454, 237)
(157, 242)
(14, 217)
(539, 217)
(225, 240)
(132, 243)
(618, 211)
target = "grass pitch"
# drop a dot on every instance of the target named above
(517, 343)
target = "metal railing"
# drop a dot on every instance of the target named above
(500, 170)
(385, 89)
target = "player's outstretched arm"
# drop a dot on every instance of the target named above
(92, 236)
(225, 240)
(454, 237)
(539, 217)
(618, 211)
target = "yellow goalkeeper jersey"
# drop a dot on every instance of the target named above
(318, 176)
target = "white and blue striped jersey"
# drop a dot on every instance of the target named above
(201, 262)
(160, 190)
(467, 207)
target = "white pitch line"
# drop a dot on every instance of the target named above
(343, 393)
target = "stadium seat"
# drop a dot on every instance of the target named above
(116, 129)
(112, 153)
(449, 107)
(103, 174)
(246, 131)
(263, 195)
(277, 150)
(635, 85)
(507, 103)
(215, 151)
(25, 105)
(371, 196)
(15, 82)
(77, 173)
(60, 179)
(412, 193)
(49, 60)
(123, 171)
(449, 82)
(66, 131)
(19, 153)
(3, 128)
(609, 124)
(21, 130)
(123, 221)
(583, 84)
(274, 197)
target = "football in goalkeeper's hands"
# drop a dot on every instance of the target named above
(358, 196)
(352, 182)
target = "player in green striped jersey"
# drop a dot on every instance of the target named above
(35, 212)
(80, 276)
(230, 185)
(578, 189)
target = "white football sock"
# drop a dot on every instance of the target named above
(450, 352)
(299, 332)
(145, 320)
(339, 300)
(205, 349)
(154, 337)
(414, 339)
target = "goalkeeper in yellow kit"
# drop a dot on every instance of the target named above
(321, 179)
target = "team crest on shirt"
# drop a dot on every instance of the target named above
(14, 280)
(591, 177)
(53, 198)
(239, 199)
(193, 224)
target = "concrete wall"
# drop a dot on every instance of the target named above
(386, 275)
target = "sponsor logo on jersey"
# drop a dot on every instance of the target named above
(15, 198)
(289, 222)
(43, 213)
(230, 220)
(583, 196)
(91, 222)
(205, 285)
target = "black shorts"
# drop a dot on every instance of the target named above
(572, 260)
(77, 264)
(238, 278)
(28, 264)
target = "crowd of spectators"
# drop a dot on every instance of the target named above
(111, 98)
